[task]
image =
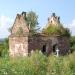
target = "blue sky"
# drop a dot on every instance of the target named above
(63, 8)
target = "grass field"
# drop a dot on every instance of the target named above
(38, 64)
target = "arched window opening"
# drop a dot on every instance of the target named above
(44, 49)
(54, 48)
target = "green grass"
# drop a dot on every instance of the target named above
(38, 64)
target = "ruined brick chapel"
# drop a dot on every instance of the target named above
(23, 44)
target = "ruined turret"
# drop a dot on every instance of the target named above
(53, 20)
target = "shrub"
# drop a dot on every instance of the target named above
(72, 43)
(4, 48)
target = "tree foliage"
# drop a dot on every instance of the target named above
(72, 42)
(4, 47)
(32, 21)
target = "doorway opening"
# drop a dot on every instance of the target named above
(44, 49)
(54, 48)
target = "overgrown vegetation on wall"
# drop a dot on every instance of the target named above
(56, 30)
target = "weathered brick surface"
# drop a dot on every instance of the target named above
(64, 45)
(19, 22)
(18, 46)
(38, 42)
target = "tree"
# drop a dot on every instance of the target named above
(66, 32)
(32, 21)
(72, 42)
(4, 47)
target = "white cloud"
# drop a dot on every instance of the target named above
(71, 26)
(5, 23)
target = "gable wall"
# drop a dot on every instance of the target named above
(20, 22)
